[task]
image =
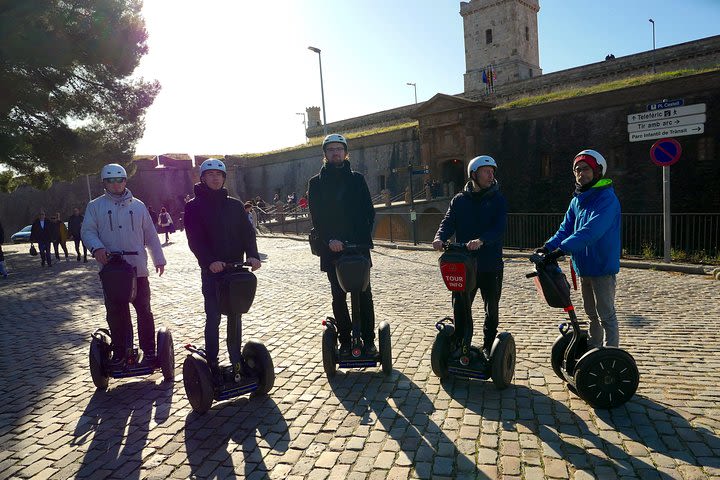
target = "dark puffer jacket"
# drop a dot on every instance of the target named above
(340, 208)
(218, 228)
(480, 215)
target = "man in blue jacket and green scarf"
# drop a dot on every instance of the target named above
(590, 232)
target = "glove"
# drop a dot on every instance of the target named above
(542, 250)
(554, 255)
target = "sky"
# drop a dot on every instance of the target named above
(237, 75)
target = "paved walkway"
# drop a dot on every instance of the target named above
(53, 424)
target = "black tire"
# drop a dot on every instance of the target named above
(329, 355)
(258, 360)
(440, 354)
(100, 354)
(197, 378)
(385, 347)
(166, 353)
(606, 377)
(502, 361)
(557, 354)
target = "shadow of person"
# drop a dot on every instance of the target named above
(626, 441)
(117, 422)
(236, 439)
(408, 416)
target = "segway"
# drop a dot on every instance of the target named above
(605, 377)
(353, 273)
(236, 293)
(453, 353)
(120, 286)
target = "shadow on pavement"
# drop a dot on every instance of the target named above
(568, 436)
(406, 413)
(233, 434)
(116, 423)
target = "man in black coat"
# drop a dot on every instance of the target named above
(342, 211)
(219, 232)
(43, 232)
(74, 226)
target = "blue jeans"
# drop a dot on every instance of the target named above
(599, 303)
(44, 249)
(210, 282)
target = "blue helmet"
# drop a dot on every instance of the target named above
(213, 164)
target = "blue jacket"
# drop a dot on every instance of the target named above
(590, 231)
(474, 215)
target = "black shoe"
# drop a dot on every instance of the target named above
(148, 361)
(78, 258)
(345, 348)
(370, 349)
(117, 362)
(486, 353)
(85, 261)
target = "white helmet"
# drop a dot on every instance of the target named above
(112, 170)
(598, 159)
(481, 161)
(334, 138)
(213, 164)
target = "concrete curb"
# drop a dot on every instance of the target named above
(625, 263)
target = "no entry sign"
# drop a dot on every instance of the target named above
(665, 152)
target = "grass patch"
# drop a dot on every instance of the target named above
(603, 87)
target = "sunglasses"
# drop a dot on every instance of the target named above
(115, 180)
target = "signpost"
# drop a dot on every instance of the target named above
(664, 153)
(667, 119)
(423, 170)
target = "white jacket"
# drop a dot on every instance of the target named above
(122, 223)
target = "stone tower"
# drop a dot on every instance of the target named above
(313, 117)
(501, 33)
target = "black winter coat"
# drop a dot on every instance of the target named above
(75, 225)
(48, 234)
(340, 209)
(218, 228)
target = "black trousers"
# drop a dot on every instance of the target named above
(490, 286)
(77, 248)
(342, 315)
(210, 284)
(118, 319)
(64, 247)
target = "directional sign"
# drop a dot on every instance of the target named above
(421, 172)
(668, 132)
(666, 113)
(666, 123)
(665, 152)
(666, 104)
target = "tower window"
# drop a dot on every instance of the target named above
(488, 36)
(530, 72)
(545, 170)
(527, 34)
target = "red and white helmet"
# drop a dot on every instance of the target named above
(593, 159)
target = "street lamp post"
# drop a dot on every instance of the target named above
(415, 89)
(322, 89)
(653, 54)
(304, 124)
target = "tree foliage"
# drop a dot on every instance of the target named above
(68, 104)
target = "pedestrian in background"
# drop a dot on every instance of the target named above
(42, 232)
(3, 270)
(61, 236)
(166, 224)
(75, 226)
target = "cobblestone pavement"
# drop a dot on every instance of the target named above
(362, 424)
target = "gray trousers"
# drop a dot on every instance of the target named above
(599, 303)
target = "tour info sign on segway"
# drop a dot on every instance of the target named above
(605, 377)
(119, 284)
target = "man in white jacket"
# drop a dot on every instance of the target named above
(118, 222)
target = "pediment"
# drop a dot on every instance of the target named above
(441, 102)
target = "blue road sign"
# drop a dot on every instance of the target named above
(665, 152)
(666, 104)
(421, 172)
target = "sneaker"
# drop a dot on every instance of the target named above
(370, 349)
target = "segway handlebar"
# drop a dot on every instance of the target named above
(454, 246)
(121, 253)
(355, 246)
(235, 266)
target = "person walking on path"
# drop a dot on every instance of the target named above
(590, 232)
(61, 236)
(42, 232)
(166, 224)
(3, 270)
(75, 226)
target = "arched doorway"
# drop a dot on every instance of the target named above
(453, 171)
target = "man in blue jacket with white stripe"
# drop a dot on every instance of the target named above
(477, 216)
(590, 232)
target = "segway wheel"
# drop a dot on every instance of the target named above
(329, 343)
(502, 361)
(606, 377)
(258, 359)
(197, 378)
(557, 354)
(385, 348)
(166, 353)
(100, 354)
(439, 355)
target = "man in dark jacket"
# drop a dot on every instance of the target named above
(342, 211)
(3, 270)
(43, 232)
(219, 232)
(75, 226)
(477, 216)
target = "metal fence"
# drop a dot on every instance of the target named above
(695, 236)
